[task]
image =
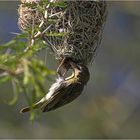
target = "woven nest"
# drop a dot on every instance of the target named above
(70, 28)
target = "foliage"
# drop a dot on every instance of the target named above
(19, 63)
(18, 58)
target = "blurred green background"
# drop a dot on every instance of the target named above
(110, 104)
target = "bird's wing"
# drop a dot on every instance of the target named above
(41, 104)
(57, 95)
(62, 96)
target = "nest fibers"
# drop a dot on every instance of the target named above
(70, 28)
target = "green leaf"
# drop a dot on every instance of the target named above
(4, 79)
(32, 115)
(9, 43)
(27, 75)
(61, 4)
(15, 93)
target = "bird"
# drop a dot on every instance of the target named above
(64, 90)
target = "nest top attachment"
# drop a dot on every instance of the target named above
(71, 28)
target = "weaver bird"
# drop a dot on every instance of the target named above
(64, 90)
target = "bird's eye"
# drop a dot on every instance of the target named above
(79, 67)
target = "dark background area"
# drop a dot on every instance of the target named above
(110, 104)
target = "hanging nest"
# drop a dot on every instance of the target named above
(29, 15)
(70, 28)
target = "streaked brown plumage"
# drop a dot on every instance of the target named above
(66, 90)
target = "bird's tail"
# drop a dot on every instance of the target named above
(29, 108)
(44, 101)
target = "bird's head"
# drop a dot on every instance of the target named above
(80, 72)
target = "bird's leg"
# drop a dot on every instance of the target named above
(63, 66)
(59, 67)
